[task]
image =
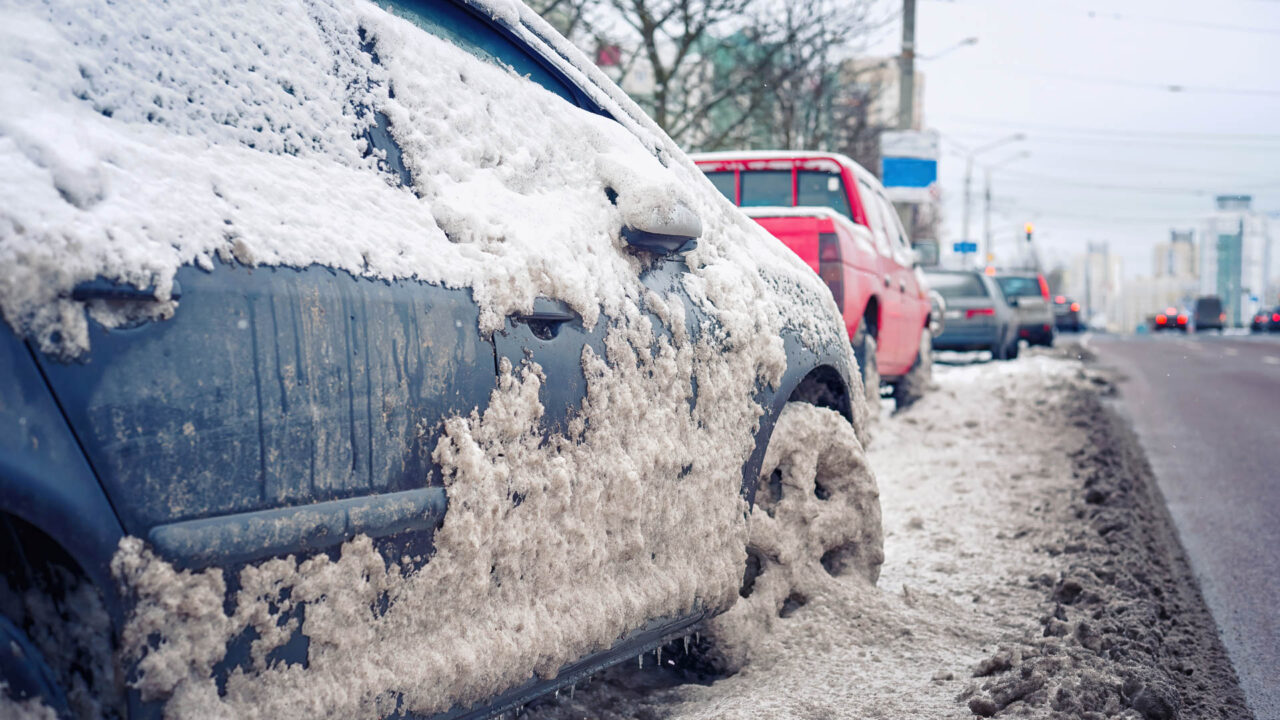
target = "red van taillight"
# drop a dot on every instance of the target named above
(831, 267)
(971, 312)
(1275, 317)
(1182, 319)
(1160, 319)
(1060, 300)
(1044, 287)
(1075, 307)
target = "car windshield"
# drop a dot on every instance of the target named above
(1019, 286)
(957, 285)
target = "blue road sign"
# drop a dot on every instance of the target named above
(965, 247)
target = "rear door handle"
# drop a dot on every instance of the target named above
(886, 282)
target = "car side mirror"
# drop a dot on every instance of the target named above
(664, 230)
(1013, 302)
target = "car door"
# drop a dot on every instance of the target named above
(889, 342)
(906, 281)
(270, 392)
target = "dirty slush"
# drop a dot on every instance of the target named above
(1030, 571)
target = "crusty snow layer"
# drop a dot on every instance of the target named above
(139, 137)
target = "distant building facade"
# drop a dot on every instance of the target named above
(1176, 258)
(1235, 258)
(1095, 281)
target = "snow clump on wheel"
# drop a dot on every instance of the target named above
(815, 523)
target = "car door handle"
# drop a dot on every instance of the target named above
(886, 282)
(101, 288)
(546, 317)
(902, 286)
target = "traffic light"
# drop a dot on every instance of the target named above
(1029, 228)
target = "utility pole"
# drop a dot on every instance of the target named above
(907, 67)
(986, 216)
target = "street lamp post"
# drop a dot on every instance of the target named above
(986, 208)
(968, 175)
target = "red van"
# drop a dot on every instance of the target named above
(835, 215)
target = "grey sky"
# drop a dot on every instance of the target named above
(1115, 155)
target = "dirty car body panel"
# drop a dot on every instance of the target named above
(282, 411)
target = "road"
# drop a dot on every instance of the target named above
(1207, 409)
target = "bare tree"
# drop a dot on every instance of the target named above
(724, 73)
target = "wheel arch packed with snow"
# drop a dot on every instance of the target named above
(141, 140)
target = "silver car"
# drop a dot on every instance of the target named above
(977, 317)
(1029, 296)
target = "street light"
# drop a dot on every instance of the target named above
(968, 173)
(986, 210)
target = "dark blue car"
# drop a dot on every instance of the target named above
(367, 362)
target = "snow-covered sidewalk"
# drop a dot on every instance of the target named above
(1013, 535)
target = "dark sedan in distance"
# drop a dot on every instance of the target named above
(1066, 315)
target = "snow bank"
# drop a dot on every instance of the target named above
(140, 137)
(960, 497)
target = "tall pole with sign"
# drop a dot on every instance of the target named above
(907, 67)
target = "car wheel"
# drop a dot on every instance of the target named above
(913, 385)
(28, 683)
(864, 349)
(815, 522)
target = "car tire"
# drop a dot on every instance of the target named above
(28, 682)
(815, 521)
(916, 382)
(864, 349)
(1006, 352)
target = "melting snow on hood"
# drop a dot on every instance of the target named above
(137, 138)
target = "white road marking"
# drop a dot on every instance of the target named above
(1230, 352)
(1271, 360)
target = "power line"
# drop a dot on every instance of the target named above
(1206, 24)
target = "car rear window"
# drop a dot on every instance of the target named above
(823, 189)
(1019, 286)
(958, 285)
(766, 188)
(725, 183)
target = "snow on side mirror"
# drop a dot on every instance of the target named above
(657, 215)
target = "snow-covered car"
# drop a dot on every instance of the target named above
(977, 316)
(366, 360)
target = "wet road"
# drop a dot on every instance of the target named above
(1207, 409)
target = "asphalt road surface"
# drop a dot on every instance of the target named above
(1207, 409)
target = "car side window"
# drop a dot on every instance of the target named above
(464, 28)
(875, 217)
(893, 227)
